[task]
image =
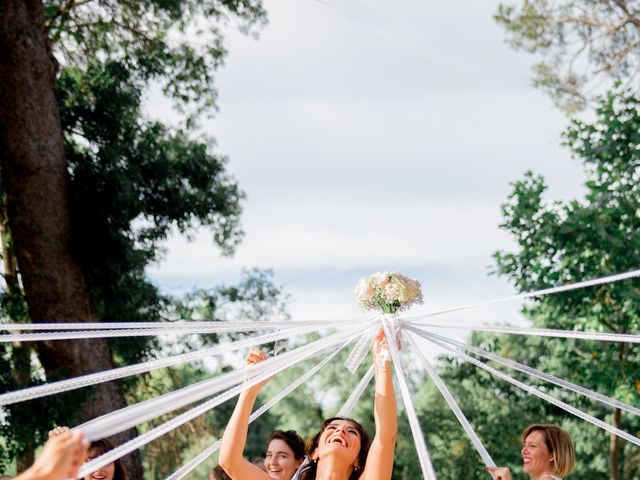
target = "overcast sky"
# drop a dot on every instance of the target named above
(369, 136)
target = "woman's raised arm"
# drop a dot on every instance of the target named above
(379, 464)
(235, 435)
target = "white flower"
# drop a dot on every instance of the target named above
(388, 292)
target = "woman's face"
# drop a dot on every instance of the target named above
(342, 438)
(536, 457)
(280, 461)
(105, 473)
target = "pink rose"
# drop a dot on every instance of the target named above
(381, 278)
(368, 292)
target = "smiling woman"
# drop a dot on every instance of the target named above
(338, 437)
(112, 471)
(547, 454)
(340, 450)
(285, 453)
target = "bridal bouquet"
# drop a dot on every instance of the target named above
(389, 292)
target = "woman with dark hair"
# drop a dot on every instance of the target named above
(112, 471)
(547, 454)
(285, 453)
(333, 426)
(340, 450)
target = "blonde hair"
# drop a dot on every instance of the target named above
(559, 444)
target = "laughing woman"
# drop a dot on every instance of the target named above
(340, 450)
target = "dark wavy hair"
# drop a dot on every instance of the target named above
(99, 447)
(310, 470)
(292, 439)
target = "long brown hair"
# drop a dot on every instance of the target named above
(99, 447)
(310, 470)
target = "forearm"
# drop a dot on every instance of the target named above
(31, 474)
(234, 438)
(385, 410)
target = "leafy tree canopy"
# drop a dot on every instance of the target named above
(581, 44)
(599, 235)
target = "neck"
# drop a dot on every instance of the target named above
(331, 468)
(544, 476)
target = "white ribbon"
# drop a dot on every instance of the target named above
(612, 402)
(534, 391)
(347, 406)
(122, 372)
(416, 430)
(537, 293)
(225, 325)
(455, 408)
(359, 351)
(538, 332)
(127, 417)
(202, 456)
(164, 329)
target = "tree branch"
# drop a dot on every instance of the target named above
(64, 9)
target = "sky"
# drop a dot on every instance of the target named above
(372, 136)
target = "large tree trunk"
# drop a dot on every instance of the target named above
(35, 179)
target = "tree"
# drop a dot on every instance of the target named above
(599, 235)
(91, 187)
(499, 411)
(582, 44)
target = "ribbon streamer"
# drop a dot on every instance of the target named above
(455, 408)
(346, 408)
(202, 456)
(537, 293)
(217, 327)
(534, 391)
(421, 447)
(612, 402)
(359, 351)
(538, 332)
(226, 326)
(122, 372)
(127, 417)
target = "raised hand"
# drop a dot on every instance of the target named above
(61, 457)
(499, 473)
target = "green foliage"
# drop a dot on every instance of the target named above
(580, 239)
(175, 43)
(133, 181)
(499, 412)
(581, 44)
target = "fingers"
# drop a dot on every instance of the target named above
(255, 356)
(61, 457)
(499, 473)
(58, 431)
(78, 453)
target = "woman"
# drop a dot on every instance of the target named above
(111, 471)
(60, 458)
(547, 454)
(285, 453)
(340, 450)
